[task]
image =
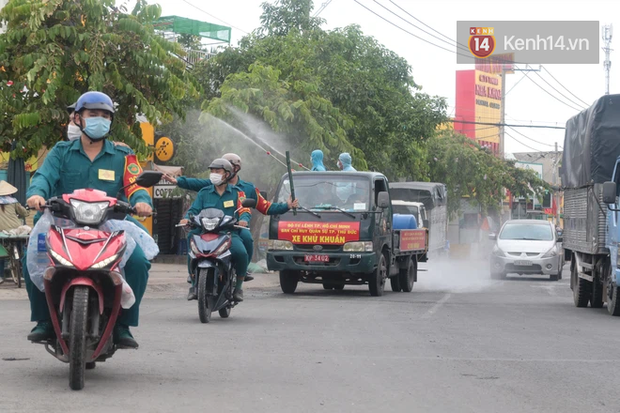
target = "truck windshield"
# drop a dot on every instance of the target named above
(530, 232)
(406, 209)
(320, 193)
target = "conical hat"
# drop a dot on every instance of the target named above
(6, 188)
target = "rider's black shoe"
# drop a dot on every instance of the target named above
(44, 330)
(123, 337)
(248, 277)
(191, 295)
(91, 365)
(238, 295)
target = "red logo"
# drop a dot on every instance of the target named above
(481, 41)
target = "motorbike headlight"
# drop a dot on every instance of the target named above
(89, 213)
(60, 259)
(358, 246)
(106, 262)
(209, 224)
(281, 245)
(220, 250)
(498, 252)
(195, 250)
(551, 253)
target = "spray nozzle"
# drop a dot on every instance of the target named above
(268, 153)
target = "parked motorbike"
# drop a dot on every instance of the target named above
(83, 285)
(212, 271)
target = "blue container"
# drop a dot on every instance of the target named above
(41, 247)
(403, 221)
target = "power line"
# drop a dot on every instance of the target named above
(533, 140)
(323, 7)
(504, 124)
(567, 98)
(406, 31)
(553, 96)
(457, 44)
(518, 141)
(215, 17)
(587, 104)
(407, 21)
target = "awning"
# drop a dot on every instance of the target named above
(182, 25)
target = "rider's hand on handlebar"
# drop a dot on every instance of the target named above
(169, 178)
(36, 202)
(143, 209)
(184, 222)
(243, 223)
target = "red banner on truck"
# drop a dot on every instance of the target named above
(332, 233)
(412, 239)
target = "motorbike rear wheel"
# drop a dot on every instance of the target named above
(77, 339)
(204, 311)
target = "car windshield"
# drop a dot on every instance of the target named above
(406, 209)
(530, 232)
(322, 193)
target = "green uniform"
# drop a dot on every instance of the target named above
(67, 168)
(228, 202)
(262, 205)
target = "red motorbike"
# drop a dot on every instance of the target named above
(83, 285)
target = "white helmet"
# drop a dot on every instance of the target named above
(234, 159)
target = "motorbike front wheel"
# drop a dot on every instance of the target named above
(204, 310)
(77, 339)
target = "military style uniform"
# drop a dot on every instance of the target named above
(67, 168)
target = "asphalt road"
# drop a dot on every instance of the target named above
(458, 343)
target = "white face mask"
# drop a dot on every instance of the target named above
(217, 179)
(73, 132)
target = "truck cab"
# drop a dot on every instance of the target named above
(341, 234)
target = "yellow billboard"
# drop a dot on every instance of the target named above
(488, 94)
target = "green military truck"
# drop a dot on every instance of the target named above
(343, 233)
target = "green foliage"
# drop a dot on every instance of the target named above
(470, 171)
(54, 50)
(361, 94)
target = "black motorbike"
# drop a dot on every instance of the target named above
(211, 261)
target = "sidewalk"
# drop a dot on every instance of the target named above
(165, 281)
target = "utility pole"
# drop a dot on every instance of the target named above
(556, 192)
(607, 32)
(502, 116)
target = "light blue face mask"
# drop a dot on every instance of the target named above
(96, 128)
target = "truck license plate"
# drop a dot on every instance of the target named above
(316, 258)
(523, 263)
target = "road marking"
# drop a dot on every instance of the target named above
(437, 305)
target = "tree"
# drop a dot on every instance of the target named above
(54, 50)
(387, 116)
(471, 171)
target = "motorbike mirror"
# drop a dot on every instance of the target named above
(148, 179)
(248, 203)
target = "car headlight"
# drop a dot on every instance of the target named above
(106, 262)
(358, 246)
(89, 213)
(209, 224)
(60, 259)
(551, 253)
(276, 244)
(498, 252)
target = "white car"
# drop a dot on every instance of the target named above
(527, 246)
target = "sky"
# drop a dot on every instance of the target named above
(435, 69)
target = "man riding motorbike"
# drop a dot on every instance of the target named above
(91, 162)
(262, 205)
(226, 197)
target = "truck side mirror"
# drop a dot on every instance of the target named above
(383, 199)
(609, 192)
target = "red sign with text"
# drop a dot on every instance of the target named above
(412, 239)
(332, 233)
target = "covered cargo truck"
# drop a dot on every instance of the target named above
(434, 196)
(589, 159)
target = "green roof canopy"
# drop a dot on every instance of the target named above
(182, 25)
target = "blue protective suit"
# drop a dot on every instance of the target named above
(317, 161)
(346, 160)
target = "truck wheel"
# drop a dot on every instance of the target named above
(407, 276)
(596, 301)
(613, 303)
(338, 287)
(288, 281)
(376, 281)
(582, 289)
(395, 283)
